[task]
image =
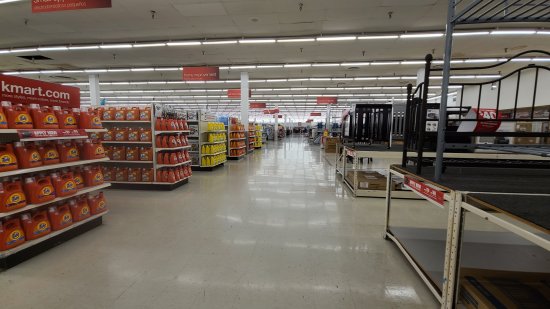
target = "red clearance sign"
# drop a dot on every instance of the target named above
(426, 191)
(47, 134)
(236, 93)
(315, 114)
(27, 91)
(201, 73)
(327, 100)
(271, 111)
(257, 105)
(41, 6)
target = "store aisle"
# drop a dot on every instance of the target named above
(272, 231)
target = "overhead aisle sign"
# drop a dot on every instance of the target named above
(201, 73)
(42, 6)
(28, 91)
(327, 100)
(254, 105)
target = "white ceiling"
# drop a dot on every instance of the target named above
(131, 21)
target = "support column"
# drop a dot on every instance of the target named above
(276, 127)
(95, 91)
(245, 99)
(328, 119)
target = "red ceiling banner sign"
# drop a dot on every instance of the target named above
(315, 114)
(201, 73)
(309, 120)
(327, 100)
(27, 91)
(42, 6)
(271, 111)
(257, 105)
(236, 93)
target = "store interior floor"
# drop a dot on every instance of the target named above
(274, 230)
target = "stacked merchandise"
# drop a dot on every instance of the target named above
(208, 146)
(47, 183)
(259, 131)
(237, 139)
(251, 137)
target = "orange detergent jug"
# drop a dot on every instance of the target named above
(66, 118)
(121, 174)
(11, 234)
(159, 176)
(158, 124)
(36, 225)
(160, 158)
(93, 150)
(171, 176)
(166, 158)
(173, 159)
(145, 135)
(44, 117)
(89, 119)
(118, 153)
(121, 134)
(132, 153)
(80, 210)
(39, 190)
(158, 141)
(109, 135)
(68, 151)
(145, 114)
(12, 196)
(120, 113)
(108, 173)
(64, 184)
(164, 143)
(49, 153)
(8, 159)
(147, 175)
(134, 175)
(108, 113)
(180, 157)
(28, 155)
(97, 204)
(60, 217)
(93, 176)
(132, 114)
(146, 154)
(172, 142)
(18, 117)
(3, 119)
(133, 135)
(78, 178)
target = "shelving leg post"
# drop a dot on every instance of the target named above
(451, 269)
(388, 203)
(355, 174)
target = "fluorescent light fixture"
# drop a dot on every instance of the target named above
(378, 37)
(512, 32)
(167, 69)
(184, 43)
(29, 72)
(471, 33)
(257, 81)
(52, 48)
(156, 83)
(356, 64)
(50, 71)
(485, 60)
(298, 79)
(219, 42)
(325, 65)
(257, 41)
(23, 50)
(83, 47)
(233, 67)
(297, 65)
(8, 1)
(142, 69)
(488, 76)
(389, 78)
(296, 40)
(320, 79)
(421, 35)
(95, 71)
(336, 38)
(138, 45)
(11, 73)
(385, 63)
(522, 60)
(408, 77)
(365, 78)
(278, 80)
(412, 62)
(73, 71)
(543, 32)
(113, 46)
(5, 51)
(118, 70)
(463, 76)
(342, 78)
(269, 66)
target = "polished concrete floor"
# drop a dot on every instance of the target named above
(274, 230)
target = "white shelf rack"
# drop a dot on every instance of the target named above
(212, 154)
(50, 167)
(126, 121)
(176, 148)
(238, 147)
(214, 143)
(173, 165)
(171, 132)
(130, 162)
(237, 139)
(127, 142)
(58, 199)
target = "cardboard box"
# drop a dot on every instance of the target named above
(330, 144)
(369, 180)
(492, 289)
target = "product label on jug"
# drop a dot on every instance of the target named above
(14, 237)
(99, 150)
(23, 119)
(3, 120)
(70, 121)
(101, 205)
(98, 177)
(7, 160)
(96, 122)
(46, 191)
(66, 219)
(35, 157)
(41, 228)
(73, 153)
(69, 186)
(119, 116)
(78, 181)
(51, 155)
(84, 211)
(107, 115)
(133, 136)
(50, 119)
(15, 199)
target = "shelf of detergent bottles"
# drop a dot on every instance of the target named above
(173, 165)
(215, 127)
(214, 143)
(217, 137)
(123, 114)
(30, 243)
(213, 149)
(176, 148)
(171, 125)
(211, 161)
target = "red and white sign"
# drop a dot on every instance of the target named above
(309, 120)
(48, 134)
(257, 105)
(27, 91)
(425, 190)
(201, 73)
(351, 153)
(236, 93)
(315, 114)
(41, 6)
(327, 100)
(271, 111)
(278, 116)
(481, 125)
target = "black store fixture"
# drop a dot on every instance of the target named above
(420, 113)
(368, 124)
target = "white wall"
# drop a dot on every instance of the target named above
(508, 92)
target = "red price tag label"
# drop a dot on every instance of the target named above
(47, 134)
(426, 191)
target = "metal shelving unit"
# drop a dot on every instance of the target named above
(203, 132)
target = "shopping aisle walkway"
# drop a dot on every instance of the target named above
(272, 231)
